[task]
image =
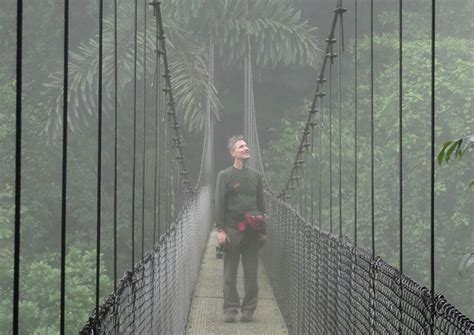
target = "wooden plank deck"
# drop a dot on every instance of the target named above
(206, 316)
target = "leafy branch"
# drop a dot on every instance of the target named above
(458, 148)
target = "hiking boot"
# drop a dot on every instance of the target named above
(246, 317)
(229, 318)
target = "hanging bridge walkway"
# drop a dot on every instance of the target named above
(312, 280)
(206, 310)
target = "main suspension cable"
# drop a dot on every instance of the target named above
(174, 124)
(299, 161)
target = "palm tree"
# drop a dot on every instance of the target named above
(188, 65)
(246, 33)
(274, 28)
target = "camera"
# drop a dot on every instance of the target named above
(220, 251)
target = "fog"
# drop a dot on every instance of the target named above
(287, 42)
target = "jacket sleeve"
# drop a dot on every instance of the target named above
(219, 201)
(260, 196)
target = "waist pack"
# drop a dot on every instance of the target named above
(254, 221)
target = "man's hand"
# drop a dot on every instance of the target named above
(262, 238)
(222, 237)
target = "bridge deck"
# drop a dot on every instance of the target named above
(206, 315)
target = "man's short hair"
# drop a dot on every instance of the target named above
(234, 139)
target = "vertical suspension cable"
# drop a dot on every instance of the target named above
(165, 160)
(246, 103)
(372, 197)
(353, 315)
(64, 168)
(170, 172)
(355, 119)
(168, 177)
(400, 151)
(330, 140)
(115, 141)
(19, 85)
(144, 127)
(166, 173)
(210, 127)
(156, 196)
(320, 153)
(340, 12)
(372, 270)
(156, 192)
(400, 131)
(304, 192)
(432, 196)
(313, 124)
(99, 160)
(339, 66)
(115, 250)
(134, 133)
(177, 187)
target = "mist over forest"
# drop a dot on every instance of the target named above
(287, 41)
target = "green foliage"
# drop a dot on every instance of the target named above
(188, 64)
(277, 159)
(467, 262)
(276, 30)
(454, 110)
(6, 214)
(458, 147)
(279, 35)
(39, 303)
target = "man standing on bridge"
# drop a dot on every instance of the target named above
(238, 201)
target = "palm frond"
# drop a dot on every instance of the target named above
(277, 31)
(83, 72)
(277, 34)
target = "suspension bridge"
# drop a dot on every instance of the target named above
(317, 280)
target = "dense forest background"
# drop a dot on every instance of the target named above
(286, 39)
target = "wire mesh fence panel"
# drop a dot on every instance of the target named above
(156, 297)
(325, 285)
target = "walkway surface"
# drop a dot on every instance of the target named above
(206, 315)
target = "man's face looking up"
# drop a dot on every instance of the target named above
(241, 151)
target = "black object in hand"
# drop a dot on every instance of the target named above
(220, 251)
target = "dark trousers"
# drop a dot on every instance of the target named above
(247, 245)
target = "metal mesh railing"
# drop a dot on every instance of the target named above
(326, 285)
(156, 297)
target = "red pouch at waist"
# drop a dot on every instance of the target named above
(255, 221)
